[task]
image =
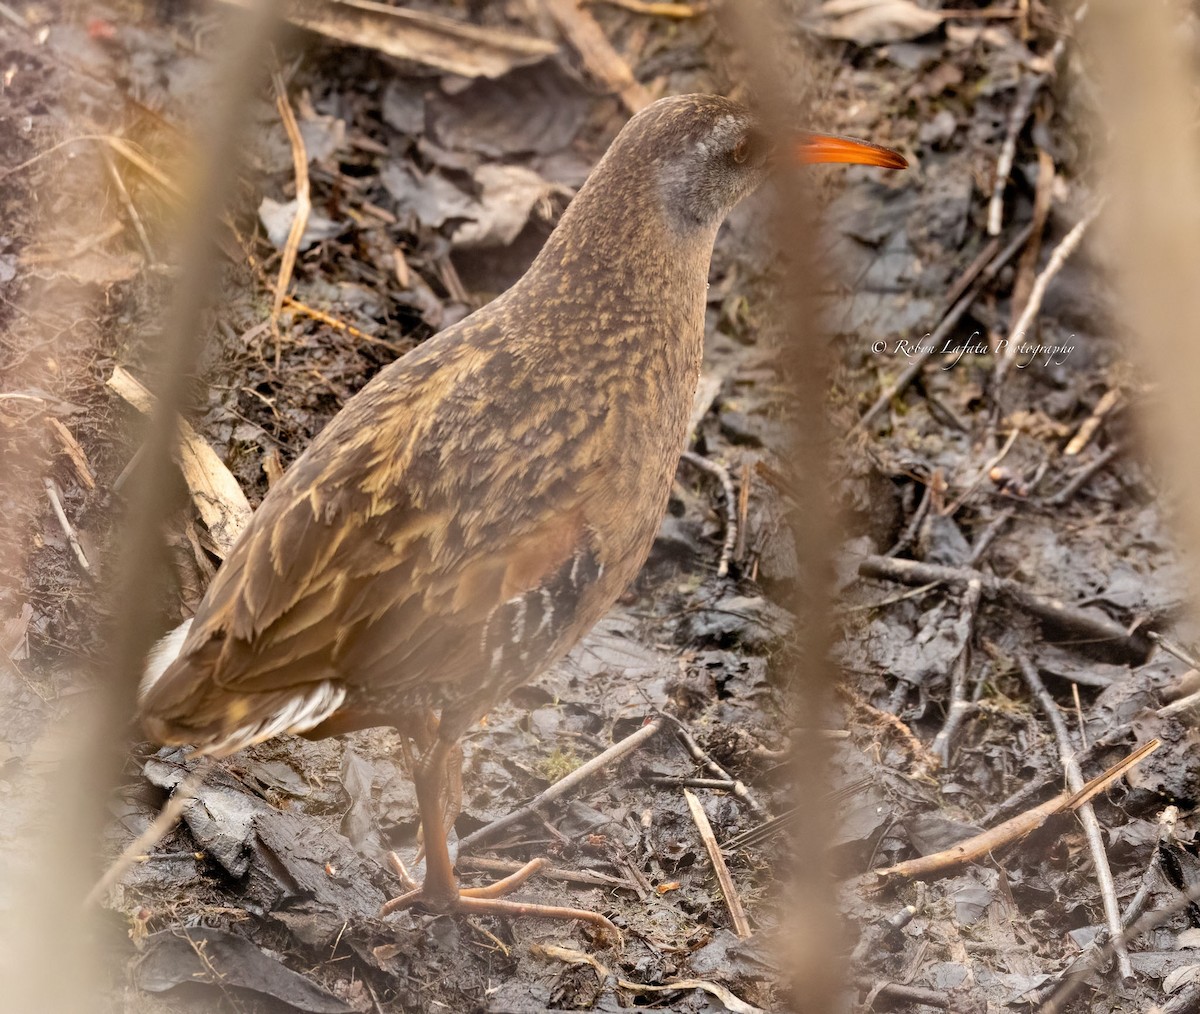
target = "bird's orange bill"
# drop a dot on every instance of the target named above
(827, 148)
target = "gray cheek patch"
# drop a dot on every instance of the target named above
(718, 137)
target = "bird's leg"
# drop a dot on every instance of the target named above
(430, 780)
(452, 802)
(437, 777)
(424, 740)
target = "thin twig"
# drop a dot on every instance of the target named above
(901, 993)
(975, 848)
(130, 208)
(1084, 476)
(924, 760)
(159, 828)
(1087, 429)
(988, 535)
(676, 782)
(959, 705)
(660, 10)
(1171, 648)
(741, 925)
(1087, 813)
(1152, 920)
(983, 472)
(1057, 259)
(911, 530)
(596, 53)
(586, 878)
(1043, 198)
(721, 473)
(1027, 91)
(287, 261)
(1084, 624)
(565, 786)
(701, 757)
(333, 322)
(79, 461)
(66, 526)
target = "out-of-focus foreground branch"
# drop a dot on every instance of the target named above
(1152, 226)
(807, 944)
(51, 960)
(1152, 223)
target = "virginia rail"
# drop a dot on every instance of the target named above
(484, 500)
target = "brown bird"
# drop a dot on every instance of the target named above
(484, 500)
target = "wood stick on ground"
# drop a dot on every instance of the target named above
(1085, 624)
(959, 705)
(732, 1002)
(721, 474)
(447, 44)
(924, 760)
(1148, 886)
(952, 509)
(914, 995)
(291, 247)
(965, 280)
(586, 878)
(1083, 476)
(676, 782)
(743, 511)
(1027, 91)
(130, 208)
(1087, 429)
(942, 331)
(707, 390)
(79, 461)
(596, 53)
(565, 786)
(1043, 197)
(67, 528)
(1151, 920)
(218, 498)
(1062, 252)
(733, 902)
(1177, 650)
(1189, 703)
(1087, 813)
(978, 846)
(336, 324)
(158, 829)
(913, 528)
(701, 757)
(988, 535)
(659, 10)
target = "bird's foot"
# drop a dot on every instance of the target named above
(487, 900)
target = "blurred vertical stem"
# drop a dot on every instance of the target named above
(1143, 61)
(56, 967)
(808, 943)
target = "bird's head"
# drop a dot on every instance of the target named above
(704, 153)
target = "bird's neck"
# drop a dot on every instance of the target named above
(636, 281)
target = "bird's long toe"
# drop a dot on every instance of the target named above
(489, 899)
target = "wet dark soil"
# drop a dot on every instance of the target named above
(431, 193)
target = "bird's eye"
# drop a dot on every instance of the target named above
(749, 148)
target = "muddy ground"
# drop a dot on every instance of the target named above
(1007, 564)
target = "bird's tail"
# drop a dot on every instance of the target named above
(166, 649)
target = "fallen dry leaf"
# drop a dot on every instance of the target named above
(874, 22)
(509, 195)
(452, 46)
